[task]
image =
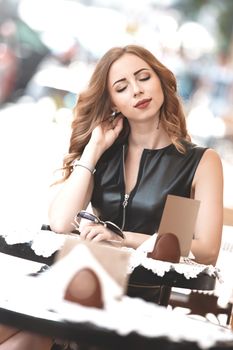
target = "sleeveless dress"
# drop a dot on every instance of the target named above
(161, 172)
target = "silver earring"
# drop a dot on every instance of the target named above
(113, 115)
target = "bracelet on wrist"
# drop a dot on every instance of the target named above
(76, 163)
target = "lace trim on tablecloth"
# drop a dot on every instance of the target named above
(45, 243)
(186, 266)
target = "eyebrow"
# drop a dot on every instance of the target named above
(135, 73)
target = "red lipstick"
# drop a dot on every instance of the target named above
(142, 103)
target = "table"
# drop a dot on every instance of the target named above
(170, 279)
(88, 335)
(93, 329)
(88, 332)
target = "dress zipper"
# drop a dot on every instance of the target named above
(126, 196)
(124, 204)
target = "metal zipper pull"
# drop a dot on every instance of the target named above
(125, 202)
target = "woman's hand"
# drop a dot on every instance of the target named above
(97, 233)
(105, 134)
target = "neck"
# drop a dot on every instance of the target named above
(149, 138)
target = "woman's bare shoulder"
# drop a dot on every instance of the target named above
(211, 157)
(210, 165)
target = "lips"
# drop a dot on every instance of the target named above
(142, 103)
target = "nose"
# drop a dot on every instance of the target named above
(137, 89)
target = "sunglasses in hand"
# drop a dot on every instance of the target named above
(110, 225)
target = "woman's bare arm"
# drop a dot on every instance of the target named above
(73, 196)
(208, 188)
(75, 193)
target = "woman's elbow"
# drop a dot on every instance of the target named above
(214, 256)
(209, 258)
(60, 226)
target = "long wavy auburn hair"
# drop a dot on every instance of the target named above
(94, 104)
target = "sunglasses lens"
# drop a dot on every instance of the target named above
(114, 228)
(88, 216)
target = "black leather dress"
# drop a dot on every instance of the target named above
(162, 171)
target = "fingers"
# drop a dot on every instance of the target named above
(97, 233)
(106, 132)
(84, 231)
(118, 124)
(113, 124)
(99, 237)
(88, 232)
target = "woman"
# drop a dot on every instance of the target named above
(129, 126)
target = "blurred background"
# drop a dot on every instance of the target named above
(48, 49)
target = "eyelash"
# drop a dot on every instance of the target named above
(142, 79)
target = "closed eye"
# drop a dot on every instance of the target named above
(140, 79)
(145, 78)
(121, 89)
